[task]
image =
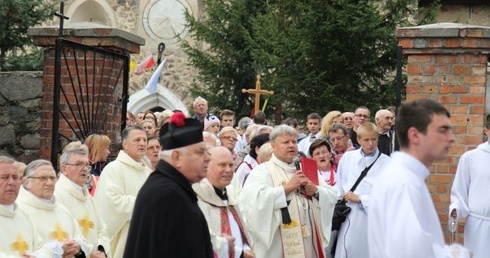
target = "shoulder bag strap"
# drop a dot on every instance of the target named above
(363, 174)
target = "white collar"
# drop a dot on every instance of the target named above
(9, 207)
(50, 201)
(77, 187)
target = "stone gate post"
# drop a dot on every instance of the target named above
(448, 62)
(108, 38)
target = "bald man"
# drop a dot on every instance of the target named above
(217, 201)
(384, 121)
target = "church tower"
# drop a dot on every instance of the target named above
(157, 21)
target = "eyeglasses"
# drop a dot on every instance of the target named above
(158, 147)
(338, 138)
(5, 178)
(81, 165)
(362, 116)
(44, 179)
(229, 138)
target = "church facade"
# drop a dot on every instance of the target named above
(158, 21)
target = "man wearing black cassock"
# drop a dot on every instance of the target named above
(167, 221)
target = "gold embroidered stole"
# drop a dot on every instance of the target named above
(291, 234)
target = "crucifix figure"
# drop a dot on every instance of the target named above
(257, 91)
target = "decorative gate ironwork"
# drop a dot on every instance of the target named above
(91, 87)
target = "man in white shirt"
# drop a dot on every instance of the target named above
(403, 221)
(469, 198)
(313, 122)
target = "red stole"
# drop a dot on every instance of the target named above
(226, 227)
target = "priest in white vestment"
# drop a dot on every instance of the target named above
(72, 192)
(470, 199)
(51, 220)
(285, 213)
(119, 185)
(402, 220)
(217, 200)
(18, 237)
(352, 238)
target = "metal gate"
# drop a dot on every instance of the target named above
(91, 87)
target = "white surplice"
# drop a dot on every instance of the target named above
(260, 203)
(18, 236)
(211, 206)
(244, 169)
(115, 196)
(82, 207)
(352, 240)
(403, 221)
(52, 221)
(470, 198)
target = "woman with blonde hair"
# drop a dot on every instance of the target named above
(98, 146)
(331, 118)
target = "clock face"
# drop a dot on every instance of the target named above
(164, 19)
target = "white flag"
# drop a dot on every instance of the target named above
(151, 86)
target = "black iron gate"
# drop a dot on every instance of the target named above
(90, 90)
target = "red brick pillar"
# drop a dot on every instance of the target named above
(448, 62)
(107, 38)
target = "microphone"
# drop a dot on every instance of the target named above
(296, 160)
(296, 163)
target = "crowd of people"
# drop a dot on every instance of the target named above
(211, 186)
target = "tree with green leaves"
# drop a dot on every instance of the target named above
(16, 49)
(317, 55)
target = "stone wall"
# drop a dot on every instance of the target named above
(448, 62)
(467, 14)
(20, 114)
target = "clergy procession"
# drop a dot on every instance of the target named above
(349, 186)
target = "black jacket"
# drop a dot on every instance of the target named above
(167, 221)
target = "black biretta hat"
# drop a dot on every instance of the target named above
(180, 132)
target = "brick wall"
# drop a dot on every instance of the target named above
(448, 63)
(72, 128)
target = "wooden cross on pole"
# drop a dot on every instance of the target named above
(257, 91)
